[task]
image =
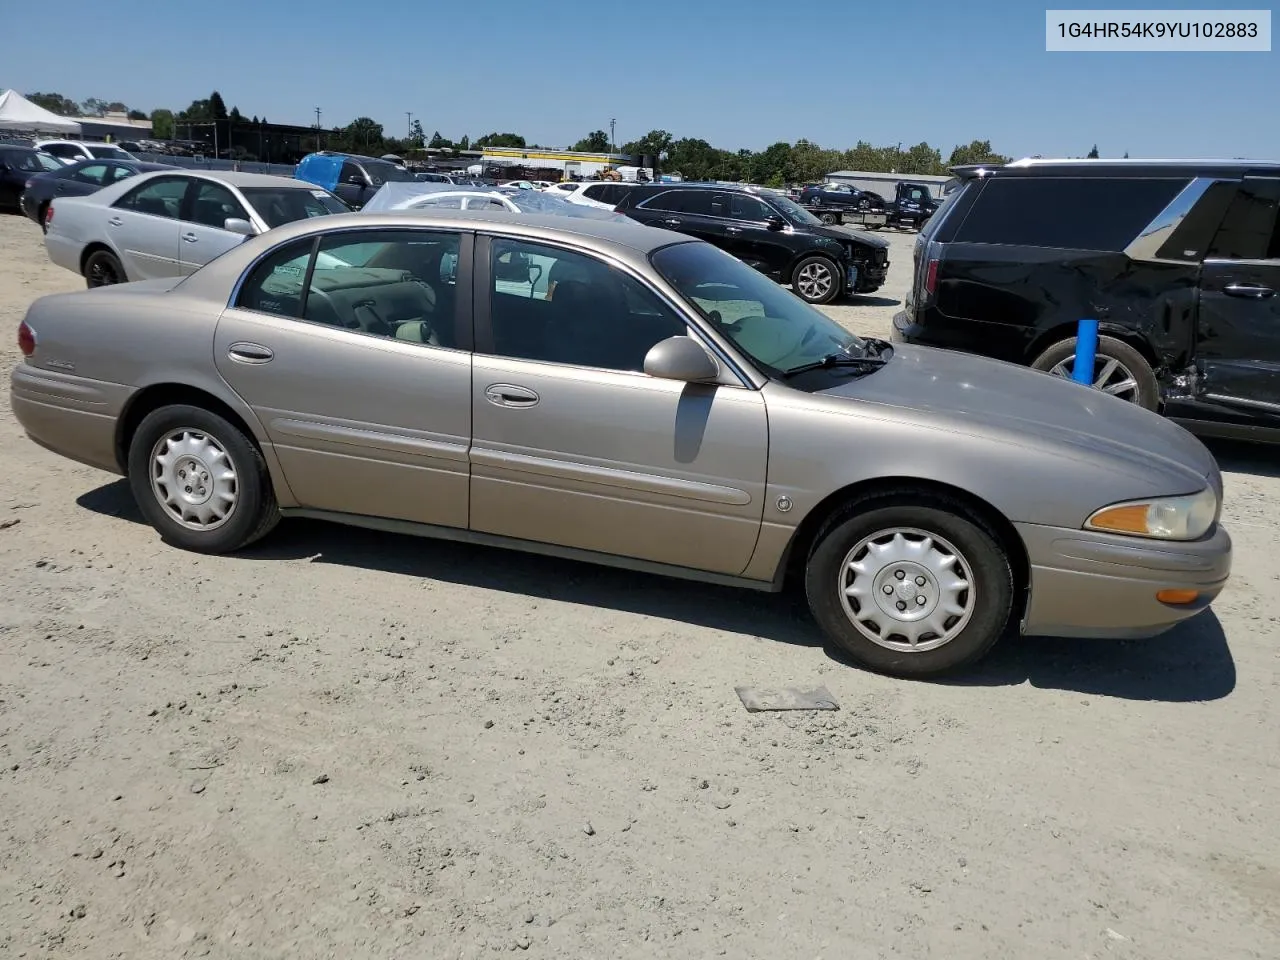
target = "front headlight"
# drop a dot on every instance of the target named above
(1164, 518)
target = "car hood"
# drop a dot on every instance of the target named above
(847, 233)
(1002, 401)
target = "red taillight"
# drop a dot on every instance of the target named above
(26, 339)
(931, 277)
(48, 215)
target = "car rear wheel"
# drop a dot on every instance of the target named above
(910, 586)
(828, 218)
(1118, 369)
(816, 280)
(102, 269)
(41, 213)
(200, 481)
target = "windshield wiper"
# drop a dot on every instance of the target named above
(837, 360)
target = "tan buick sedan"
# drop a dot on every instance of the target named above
(616, 393)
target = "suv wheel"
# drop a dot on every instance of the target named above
(1118, 369)
(909, 586)
(200, 481)
(816, 280)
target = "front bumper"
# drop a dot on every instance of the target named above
(1086, 584)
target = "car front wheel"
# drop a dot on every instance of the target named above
(910, 588)
(200, 481)
(816, 280)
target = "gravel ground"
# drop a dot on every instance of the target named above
(347, 744)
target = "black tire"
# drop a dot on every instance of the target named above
(1146, 390)
(41, 213)
(937, 516)
(807, 283)
(255, 510)
(828, 218)
(102, 269)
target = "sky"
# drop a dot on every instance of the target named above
(737, 74)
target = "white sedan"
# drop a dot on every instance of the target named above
(170, 224)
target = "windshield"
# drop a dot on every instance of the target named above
(280, 205)
(773, 327)
(109, 153)
(797, 214)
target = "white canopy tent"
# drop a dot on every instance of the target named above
(19, 114)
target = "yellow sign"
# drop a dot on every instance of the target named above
(516, 154)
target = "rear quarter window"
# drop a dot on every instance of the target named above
(1070, 213)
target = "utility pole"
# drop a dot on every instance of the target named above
(612, 145)
(410, 118)
(317, 129)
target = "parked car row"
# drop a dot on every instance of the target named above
(602, 390)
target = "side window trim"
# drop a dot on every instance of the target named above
(483, 343)
(237, 292)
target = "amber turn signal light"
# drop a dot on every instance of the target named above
(1178, 597)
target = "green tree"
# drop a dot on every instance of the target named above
(1093, 154)
(416, 136)
(55, 103)
(501, 140)
(93, 107)
(361, 134)
(115, 106)
(597, 141)
(217, 109)
(162, 124)
(654, 143)
(235, 116)
(976, 152)
(464, 143)
(137, 115)
(438, 142)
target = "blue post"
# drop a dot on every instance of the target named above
(1086, 350)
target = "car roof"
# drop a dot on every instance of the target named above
(237, 179)
(627, 240)
(1038, 167)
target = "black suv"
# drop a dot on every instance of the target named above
(1178, 261)
(359, 178)
(769, 232)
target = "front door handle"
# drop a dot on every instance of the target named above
(671, 222)
(115, 221)
(732, 229)
(244, 352)
(190, 237)
(1251, 291)
(510, 395)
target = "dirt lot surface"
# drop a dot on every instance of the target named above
(354, 745)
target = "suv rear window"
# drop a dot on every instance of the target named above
(1070, 213)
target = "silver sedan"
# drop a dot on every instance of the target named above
(169, 224)
(626, 395)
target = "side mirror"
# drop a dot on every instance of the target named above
(681, 358)
(775, 223)
(355, 180)
(237, 225)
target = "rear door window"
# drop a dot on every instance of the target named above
(1251, 228)
(94, 173)
(1070, 213)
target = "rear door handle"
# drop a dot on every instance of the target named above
(732, 229)
(115, 221)
(510, 395)
(671, 222)
(190, 237)
(1252, 291)
(244, 352)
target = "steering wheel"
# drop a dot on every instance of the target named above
(769, 341)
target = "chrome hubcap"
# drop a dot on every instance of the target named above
(1109, 375)
(814, 281)
(907, 590)
(193, 479)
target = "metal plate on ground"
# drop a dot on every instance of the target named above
(757, 699)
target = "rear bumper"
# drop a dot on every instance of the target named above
(63, 252)
(71, 416)
(1086, 584)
